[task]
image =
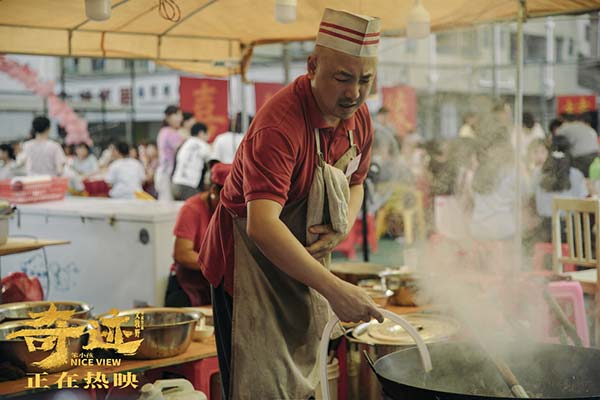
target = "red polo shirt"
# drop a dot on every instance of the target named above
(276, 161)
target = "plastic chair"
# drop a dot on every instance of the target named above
(569, 295)
(543, 249)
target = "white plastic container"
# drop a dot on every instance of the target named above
(170, 389)
(333, 374)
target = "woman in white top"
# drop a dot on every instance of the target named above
(125, 175)
(41, 155)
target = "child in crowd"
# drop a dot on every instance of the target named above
(125, 175)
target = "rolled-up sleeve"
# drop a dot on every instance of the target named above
(364, 149)
(269, 160)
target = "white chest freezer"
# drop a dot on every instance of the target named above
(120, 251)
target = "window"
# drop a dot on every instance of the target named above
(97, 64)
(464, 43)
(571, 47)
(558, 49)
(446, 43)
(152, 91)
(128, 64)
(141, 92)
(166, 90)
(71, 65)
(534, 48)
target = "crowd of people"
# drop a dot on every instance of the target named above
(475, 172)
(172, 168)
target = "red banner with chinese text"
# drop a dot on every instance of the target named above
(263, 91)
(401, 101)
(207, 99)
(575, 104)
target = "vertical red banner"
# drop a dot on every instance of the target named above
(207, 99)
(575, 104)
(401, 101)
(263, 91)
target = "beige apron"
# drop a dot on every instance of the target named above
(278, 321)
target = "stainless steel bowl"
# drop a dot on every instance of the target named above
(21, 310)
(16, 351)
(166, 332)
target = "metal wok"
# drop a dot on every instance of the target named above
(463, 371)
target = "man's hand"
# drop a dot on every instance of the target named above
(328, 240)
(351, 303)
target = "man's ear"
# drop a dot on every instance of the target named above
(311, 65)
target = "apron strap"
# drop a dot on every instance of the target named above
(351, 138)
(318, 142)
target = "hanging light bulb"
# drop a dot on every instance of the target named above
(97, 10)
(418, 23)
(285, 11)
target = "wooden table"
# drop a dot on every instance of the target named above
(16, 245)
(196, 351)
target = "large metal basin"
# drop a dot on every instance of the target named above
(21, 310)
(16, 352)
(166, 331)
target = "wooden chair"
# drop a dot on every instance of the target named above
(577, 216)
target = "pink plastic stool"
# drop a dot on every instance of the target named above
(569, 296)
(542, 249)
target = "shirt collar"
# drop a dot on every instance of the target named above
(314, 113)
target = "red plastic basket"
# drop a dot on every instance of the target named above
(35, 192)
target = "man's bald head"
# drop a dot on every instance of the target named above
(340, 82)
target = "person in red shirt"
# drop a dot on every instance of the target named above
(187, 286)
(294, 191)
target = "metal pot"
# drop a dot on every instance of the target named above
(379, 340)
(354, 272)
(462, 372)
(404, 286)
(21, 310)
(379, 293)
(16, 351)
(166, 332)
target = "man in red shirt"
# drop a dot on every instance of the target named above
(187, 286)
(295, 189)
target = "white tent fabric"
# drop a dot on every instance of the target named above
(212, 36)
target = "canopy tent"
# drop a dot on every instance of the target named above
(213, 36)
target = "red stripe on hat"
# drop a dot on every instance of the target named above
(348, 38)
(343, 28)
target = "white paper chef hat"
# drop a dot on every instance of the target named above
(353, 34)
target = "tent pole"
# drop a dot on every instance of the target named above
(518, 118)
(244, 124)
(287, 59)
(130, 125)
